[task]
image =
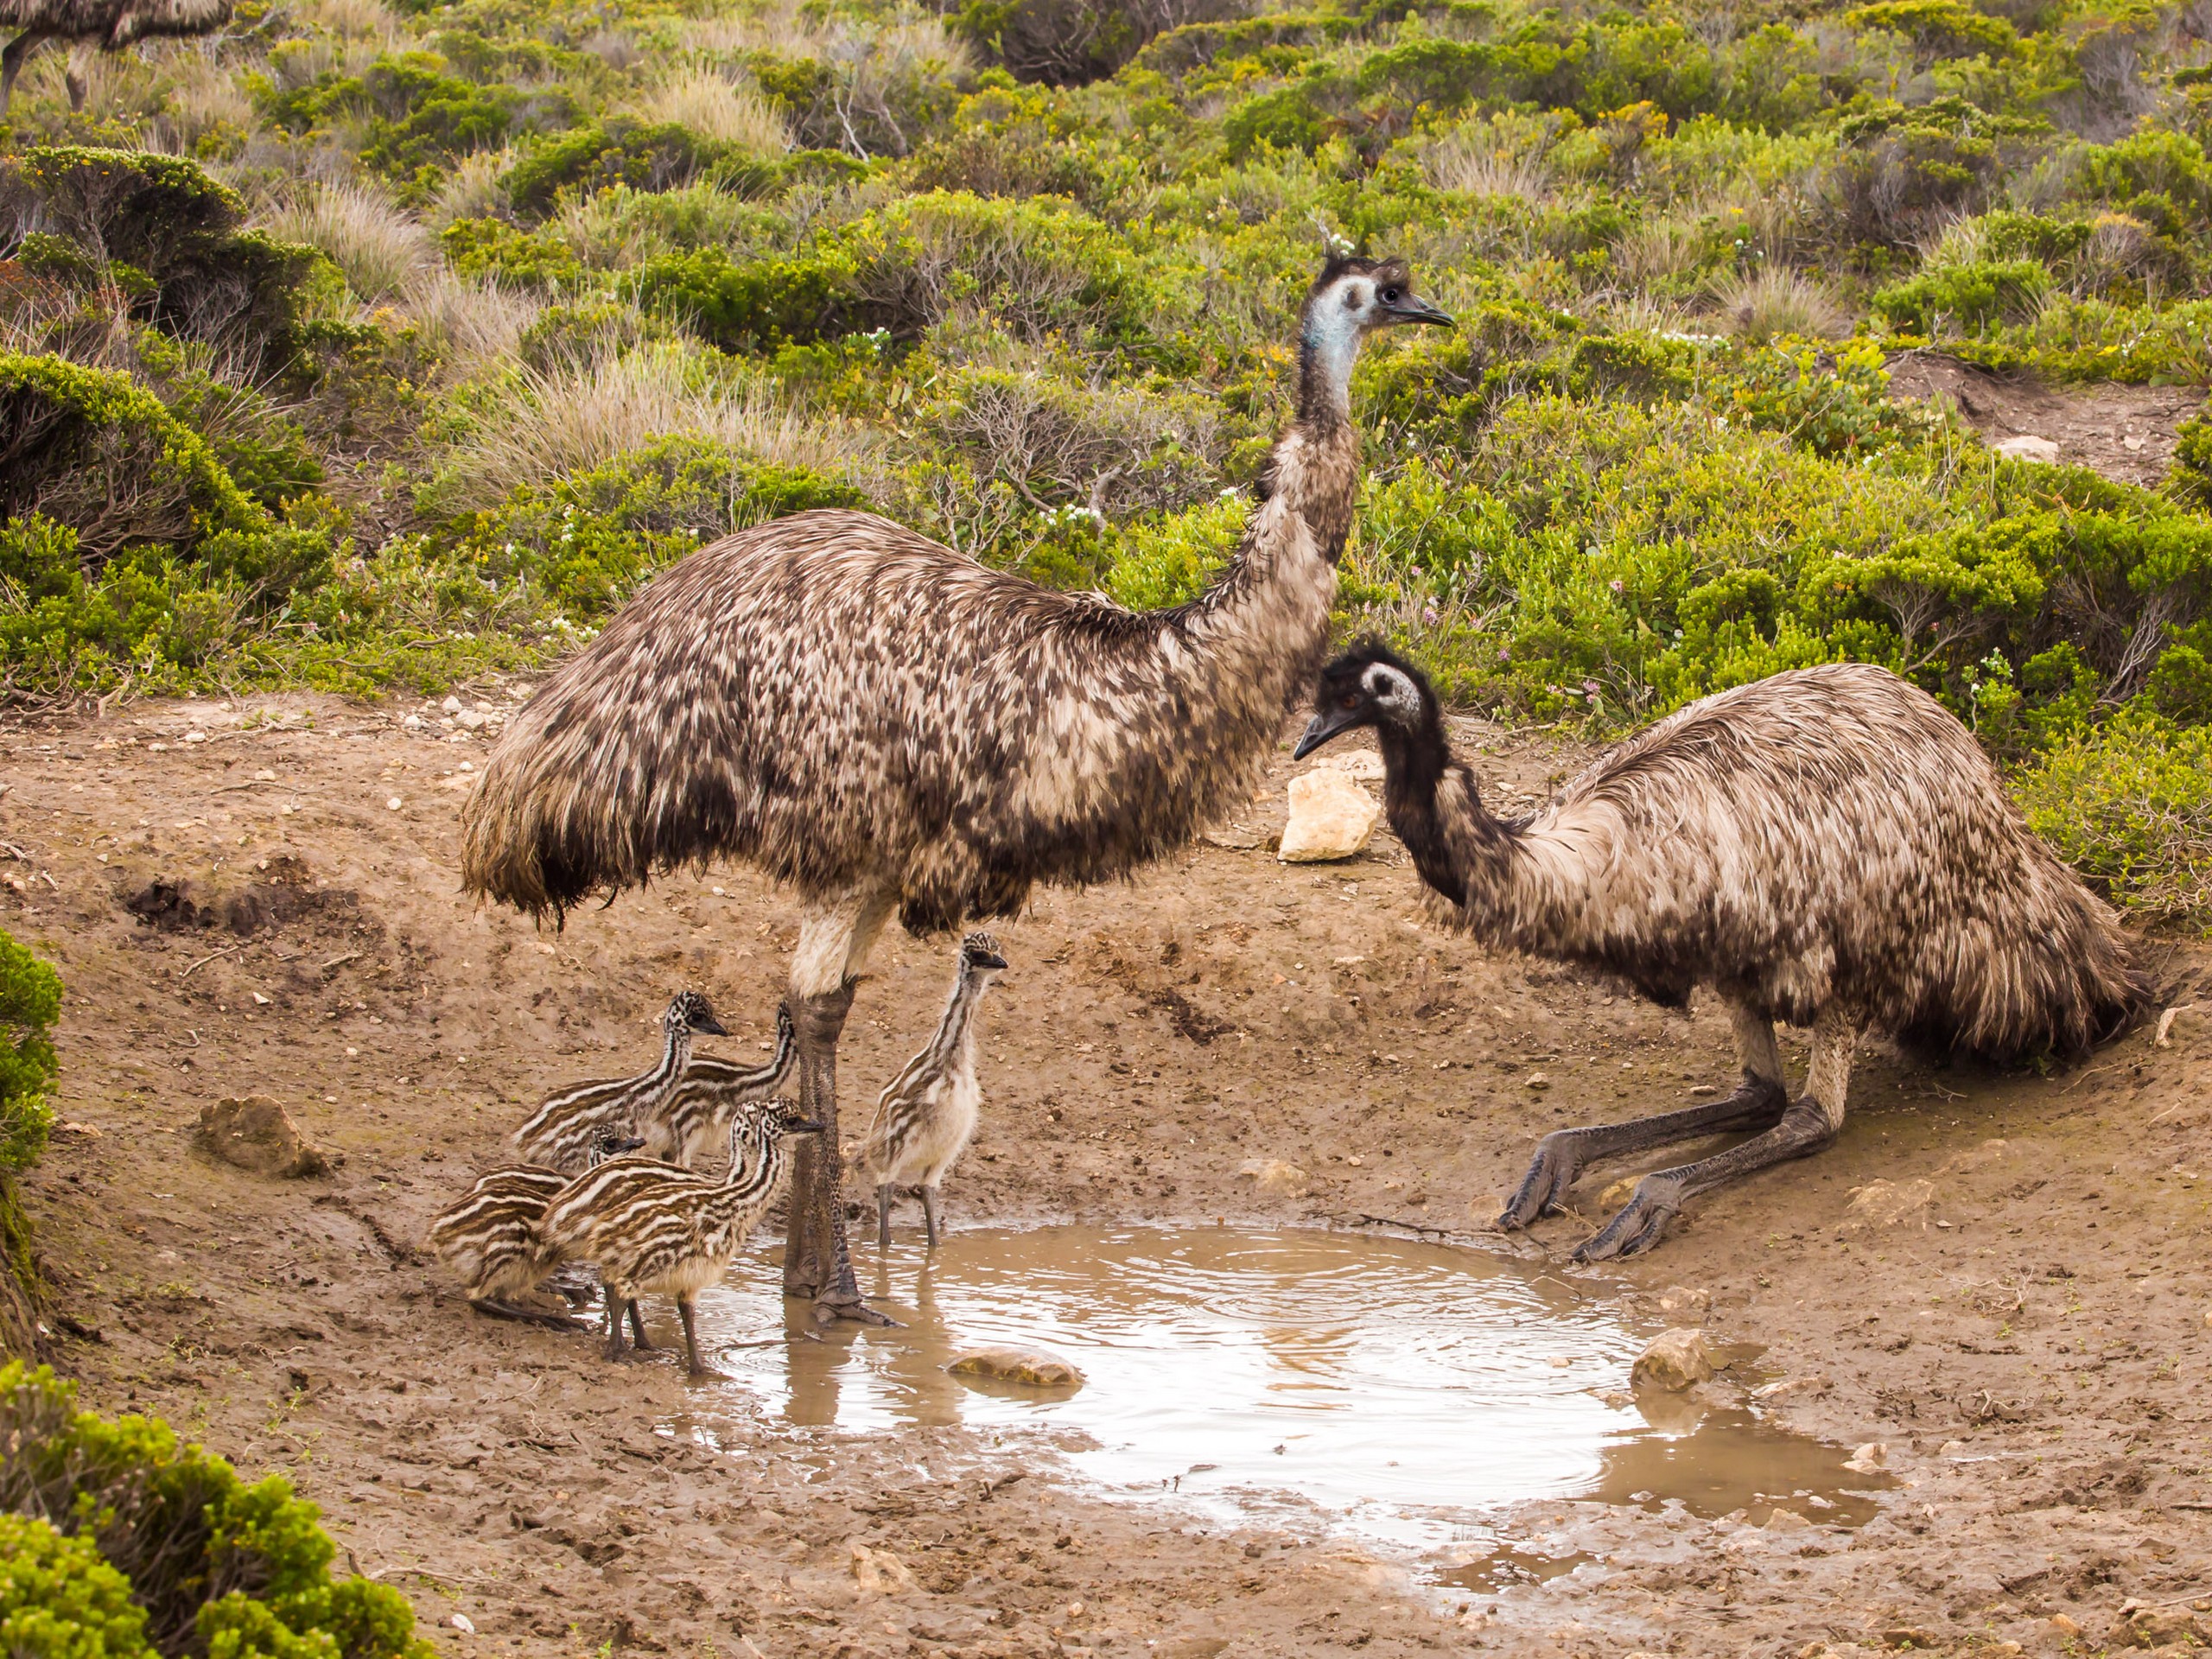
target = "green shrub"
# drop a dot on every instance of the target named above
(96, 451)
(622, 152)
(493, 248)
(58, 1599)
(30, 1002)
(2130, 806)
(1166, 561)
(1970, 296)
(757, 304)
(417, 116)
(218, 1567)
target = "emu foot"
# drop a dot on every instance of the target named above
(497, 1310)
(1640, 1224)
(829, 1312)
(1551, 1172)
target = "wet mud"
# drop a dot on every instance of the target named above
(1997, 1280)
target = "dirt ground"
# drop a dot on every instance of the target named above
(2028, 1338)
(2126, 433)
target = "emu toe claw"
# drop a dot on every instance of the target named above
(498, 1310)
(827, 1313)
(1550, 1173)
(1640, 1225)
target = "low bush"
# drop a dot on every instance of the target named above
(219, 1568)
(60, 1599)
(1968, 298)
(30, 1002)
(2130, 806)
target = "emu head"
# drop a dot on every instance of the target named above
(1369, 686)
(690, 1012)
(608, 1141)
(779, 1119)
(1349, 300)
(979, 953)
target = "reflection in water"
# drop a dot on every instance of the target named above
(1405, 1390)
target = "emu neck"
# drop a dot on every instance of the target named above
(676, 1054)
(1417, 767)
(955, 1042)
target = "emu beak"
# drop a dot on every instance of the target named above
(804, 1126)
(1412, 308)
(707, 1025)
(626, 1142)
(988, 959)
(1323, 727)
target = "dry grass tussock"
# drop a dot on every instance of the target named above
(202, 98)
(1657, 252)
(381, 248)
(708, 102)
(895, 47)
(470, 323)
(472, 189)
(1774, 300)
(572, 415)
(1475, 164)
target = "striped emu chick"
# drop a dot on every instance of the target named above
(488, 1237)
(651, 1226)
(926, 1113)
(695, 1117)
(1827, 847)
(561, 1132)
(893, 729)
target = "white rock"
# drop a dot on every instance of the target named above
(466, 1625)
(1675, 1360)
(1884, 1203)
(1363, 766)
(2027, 448)
(1330, 818)
(877, 1572)
(412, 724)
(469, 720)
(1274, 1176)
(1680, 1299)
(1868, 1458)
(451, 705)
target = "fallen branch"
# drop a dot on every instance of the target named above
(229, 951)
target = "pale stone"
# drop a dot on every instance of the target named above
(1675, 1360)
(1031, 1366)
(1680, 1299)
(1788, 1521)
(877, 1572)
(1884, 1203)
(2028, 447)
(1273, 1175)
(255, 1133)
(1785, 1387)
(1330, 818)
(1361, 766)
(1867, 1459)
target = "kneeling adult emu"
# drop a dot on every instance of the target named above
(1828, 846)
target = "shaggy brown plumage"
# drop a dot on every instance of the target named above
(1828, 846)
(98, 25)
(887, 725)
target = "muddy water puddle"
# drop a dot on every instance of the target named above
(1399, 1390)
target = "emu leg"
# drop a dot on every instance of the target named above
(883, 1216)
(1561, 1156)
(77, 77)
(491, 1308)
(1806, 1127)
(11, 62)
(929, 1213)
(637, 1329)
(613, 1325)
(833, 944)
(692, 1363)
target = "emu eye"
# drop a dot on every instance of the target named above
(1389, 296)
(1350, 700)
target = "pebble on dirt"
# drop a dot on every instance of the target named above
(1273, 1177)
(1032, 1367)
(256, 1134)
(1675, 1360)
(1330, 818)
(1884, 1203)
(877, 1572)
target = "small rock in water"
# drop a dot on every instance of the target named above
(1867, 1459)
(1030, 1366)
(1788, 1521)
(256, 1133)
(1675, 1360)
(877, 1572)
(1680, 1299)
(1330, 818)
(1783, 1388)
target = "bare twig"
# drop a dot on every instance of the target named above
(230, 950)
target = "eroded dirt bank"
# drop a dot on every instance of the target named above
(2030, 1343)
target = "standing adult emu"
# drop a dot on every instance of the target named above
(1827, 847)
(888, 726)
(97, 25)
